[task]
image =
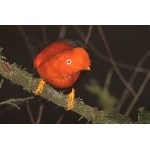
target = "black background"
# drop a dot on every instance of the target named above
(128, 44)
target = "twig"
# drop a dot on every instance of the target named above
(30, 112)
(113, 62)
(108, 79)
(62, 31)
(138, 94)
(26, 39)
(40, 113)
(44, 35)
(88, 34)
(60, 119)
(105, 58)
(126, 91)
(1, 83)
(13, 101)
(38, 120)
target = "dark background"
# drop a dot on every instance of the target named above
(128, 44)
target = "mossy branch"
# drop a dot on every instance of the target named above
(26, 80)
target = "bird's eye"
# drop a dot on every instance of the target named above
(68, 62)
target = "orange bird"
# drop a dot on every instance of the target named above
(60, 63)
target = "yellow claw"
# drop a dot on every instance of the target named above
(70, 103)
(40, 87)
(71, 95)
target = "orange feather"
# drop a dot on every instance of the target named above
(59, 64)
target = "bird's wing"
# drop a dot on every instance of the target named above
(74, 43)
(51, 50)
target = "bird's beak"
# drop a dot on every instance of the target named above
(88, 68)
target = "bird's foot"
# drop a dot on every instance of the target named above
(70, 103)
(40, 87)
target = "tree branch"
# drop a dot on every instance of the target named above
(26, 80)
(22, 78)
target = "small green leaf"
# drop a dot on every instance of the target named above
(104, 98)
(143, 116)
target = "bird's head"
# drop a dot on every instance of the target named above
(73, 61)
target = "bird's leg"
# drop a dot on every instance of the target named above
(71, 96)
(39, 88)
